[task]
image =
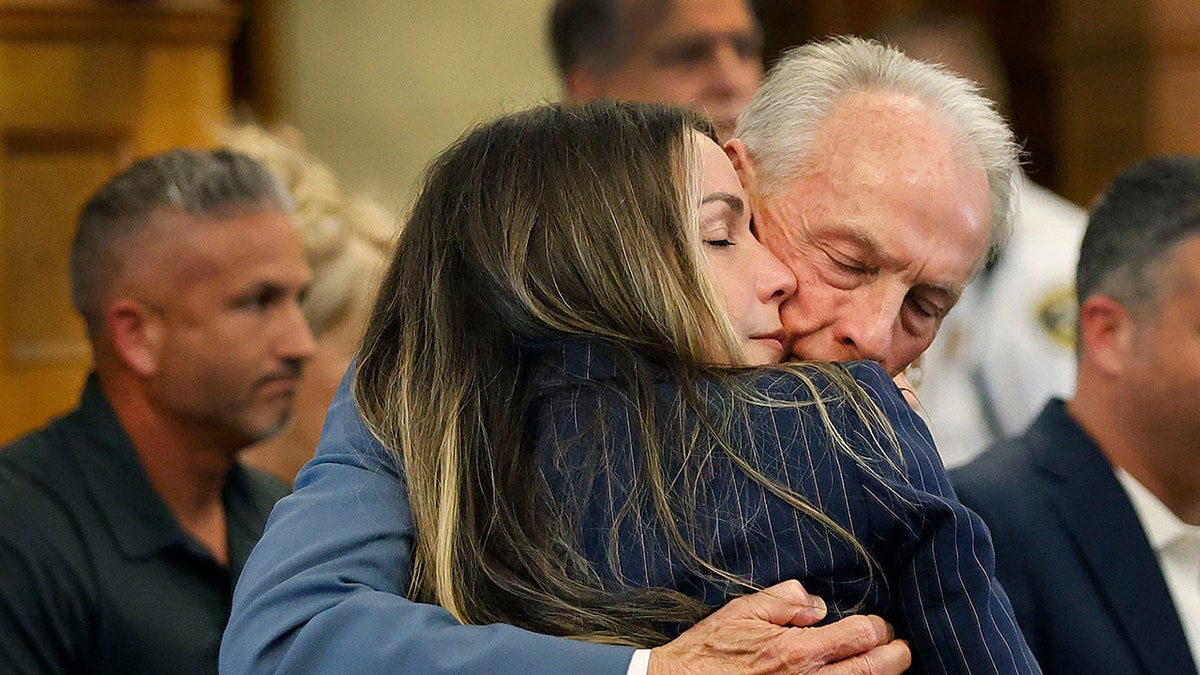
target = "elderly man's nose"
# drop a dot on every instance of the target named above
(867, 337)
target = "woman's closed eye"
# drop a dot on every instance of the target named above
(723, 212)
(718, 233)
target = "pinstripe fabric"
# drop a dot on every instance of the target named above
(935, 579)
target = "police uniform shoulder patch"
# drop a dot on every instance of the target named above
(1057, 312)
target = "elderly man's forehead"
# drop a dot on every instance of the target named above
(868, 124)
(886, 160)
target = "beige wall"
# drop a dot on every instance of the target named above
(378, 87)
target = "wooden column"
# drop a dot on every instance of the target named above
(85, 87)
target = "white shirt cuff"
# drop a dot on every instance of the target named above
(640, 663)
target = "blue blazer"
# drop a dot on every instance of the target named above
(1084, 582)
(323, 591)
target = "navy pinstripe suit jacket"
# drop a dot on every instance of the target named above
(937, 584)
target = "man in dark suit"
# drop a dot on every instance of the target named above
(1095, 509)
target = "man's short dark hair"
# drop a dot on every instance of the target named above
(1134, 225)
(201, 183)
(585, 32)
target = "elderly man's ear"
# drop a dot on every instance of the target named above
(136, 334)
(736, 151)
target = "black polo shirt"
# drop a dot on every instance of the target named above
(96, 574)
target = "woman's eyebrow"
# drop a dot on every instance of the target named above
(735, 203)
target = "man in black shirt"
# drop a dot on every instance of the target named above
(124, 524)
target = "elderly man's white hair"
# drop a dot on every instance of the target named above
(805, 87)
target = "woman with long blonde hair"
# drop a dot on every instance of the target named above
(572, 359)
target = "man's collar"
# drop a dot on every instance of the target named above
(136, 515)
(1163, 528)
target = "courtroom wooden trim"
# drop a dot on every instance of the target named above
(170, 22)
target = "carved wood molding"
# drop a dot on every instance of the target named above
(16, 139)
(137, 21)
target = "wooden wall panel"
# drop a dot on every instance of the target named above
(184, 97)
(46, 181)
(1102, 122)
(85, 87)
(1175, 72)
(1175, 103)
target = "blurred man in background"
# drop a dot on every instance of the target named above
(706, 54)
(347, 240)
